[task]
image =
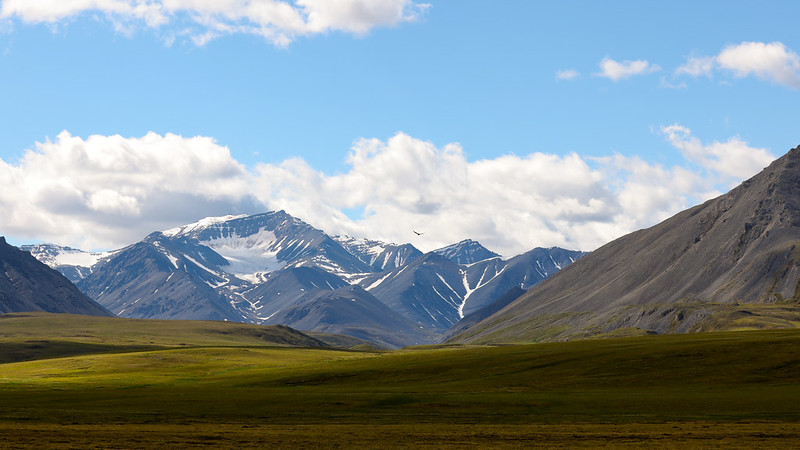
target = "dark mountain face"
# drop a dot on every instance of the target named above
(466, 252)
(429, 291)
(146, 281)
(29, 285)
(285, 288)
(490, 279)
(742, 247)
(435, 292)
(476, 316)
(352, 311)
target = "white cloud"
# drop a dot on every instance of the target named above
(105, 191)
(279, 21)
(771, 62)
(616, 71)
(730, 161)
(110, 191)
(567, 74)
(696, 66)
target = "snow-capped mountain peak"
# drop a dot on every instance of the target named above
(466, 252)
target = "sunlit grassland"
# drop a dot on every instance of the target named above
(29, 336)
(732, 389)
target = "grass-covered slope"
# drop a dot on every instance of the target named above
(26, 336)
(644, 386)
(635, 320)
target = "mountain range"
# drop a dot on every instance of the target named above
(732, 262)
(273, 268)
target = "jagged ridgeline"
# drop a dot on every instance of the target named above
(273, 268)
(731, 263)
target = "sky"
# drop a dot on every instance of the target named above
(517, 123)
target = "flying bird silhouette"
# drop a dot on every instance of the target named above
(417, 233)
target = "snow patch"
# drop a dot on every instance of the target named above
(250, 257)
(200, 224)
(200, 265)
(171, 258)
(378, 283)
(79, 258)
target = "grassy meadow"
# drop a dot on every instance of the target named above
(123, 383)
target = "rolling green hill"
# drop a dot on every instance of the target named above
(733, 389)
(26, 336)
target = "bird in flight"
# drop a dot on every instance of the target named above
(417, 233)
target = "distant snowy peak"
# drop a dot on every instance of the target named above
(466, 252)
(380, 256)
(57, 255)
(75, 264)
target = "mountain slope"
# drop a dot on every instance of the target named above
(153, 280)
(490, 279)
(741, 247)
(436, 292)
(429, 291)
(285, 288)
(352, 311)
(29, 285)
(471, 319)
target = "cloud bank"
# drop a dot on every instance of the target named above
(279, 21)
(105, 192)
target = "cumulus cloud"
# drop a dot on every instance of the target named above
(110, 191)
(616, 71)
(105, 191)
(279, 21)
(772, 62)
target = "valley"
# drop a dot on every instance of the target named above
(347, 224)
(730, 389)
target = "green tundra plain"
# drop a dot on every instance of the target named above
(86, 382)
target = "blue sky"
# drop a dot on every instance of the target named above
(294, 107)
